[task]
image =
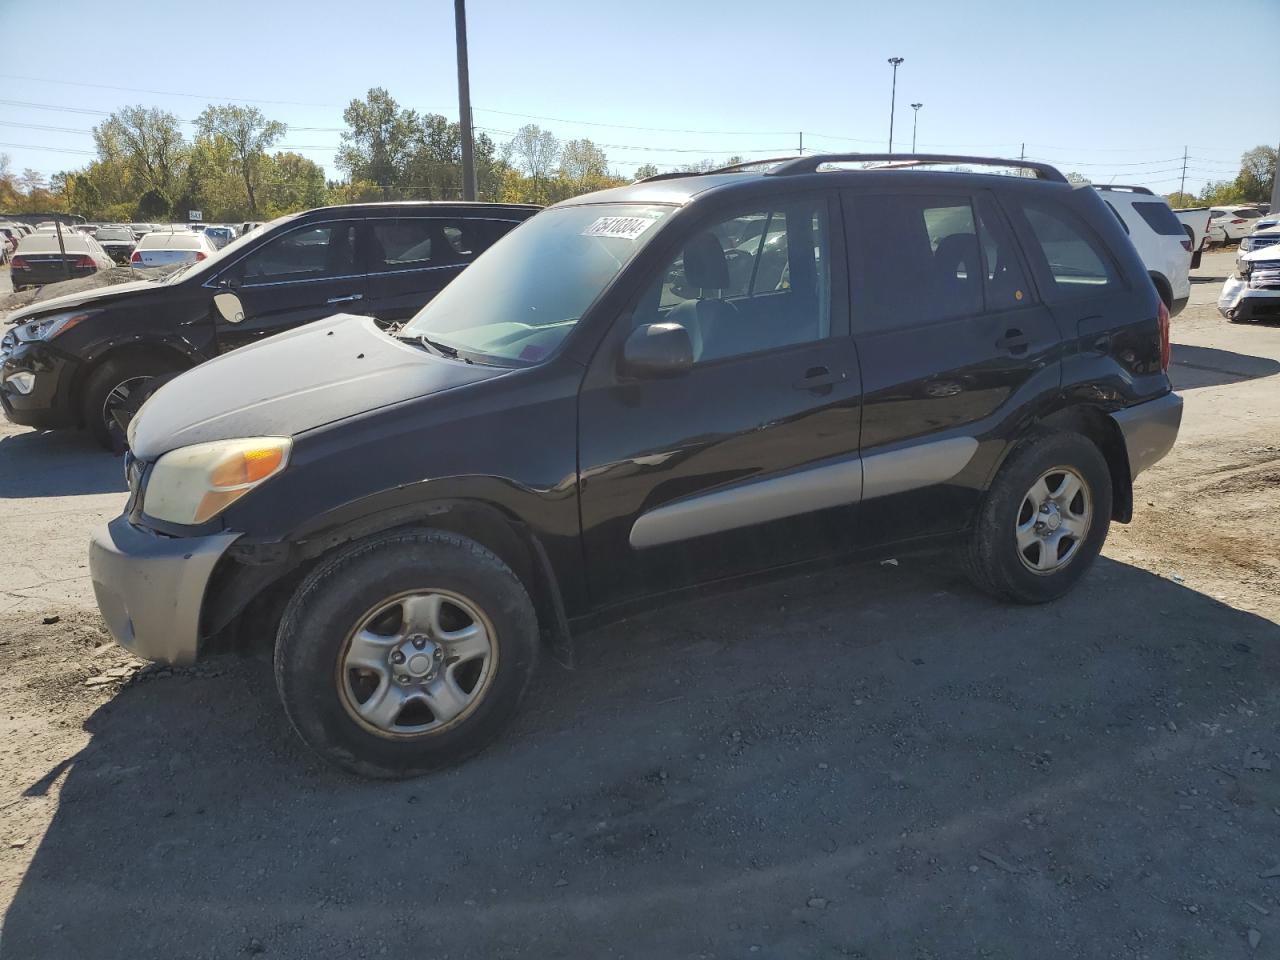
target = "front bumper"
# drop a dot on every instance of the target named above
(1239, 301)
(151, 588)
(49, 404)
(1149, 430)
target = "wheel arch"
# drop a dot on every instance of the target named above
(252, 585)
(1163, 287)
(1104, 433)
(162, 350)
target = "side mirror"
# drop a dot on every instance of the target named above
(229, 306)
(657, 350)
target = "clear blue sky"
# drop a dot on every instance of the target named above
(1113, 90)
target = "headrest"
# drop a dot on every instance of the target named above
(704, 263)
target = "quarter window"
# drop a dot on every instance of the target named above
(308, 253)
(1075, 261)
(754, 282)
(1159, 218)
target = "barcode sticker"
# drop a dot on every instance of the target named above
(622, 228)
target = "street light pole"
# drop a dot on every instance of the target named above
(893, 97)
(915, 120)
(464, 102)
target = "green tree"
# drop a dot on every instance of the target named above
(250, 134)
(378, 140)
(1257, 171)
(148, 142)
(152, 205)
(581, 161)
(292, 183)
(537, 151)
(1178, 200)
(645, 170)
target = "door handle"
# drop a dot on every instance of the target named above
(1015, 341)
(815, 378)
(354, 296)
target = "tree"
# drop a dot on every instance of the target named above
(537, 150)
(153, 205)
(582, 160)
(292, 183)
(1077, 178)
(378, 140)
(147, 142)
(1257, 171)
(645, 170)
(1178, 200)
(249, 133)
(31, 181)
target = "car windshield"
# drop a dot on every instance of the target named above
(114, 233)
(523, 296)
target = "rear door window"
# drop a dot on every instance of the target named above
(1159, 218)
(1074, 258)
(418, 243)
(1005, 285)
(921, 263)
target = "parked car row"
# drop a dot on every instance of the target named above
(45, 257)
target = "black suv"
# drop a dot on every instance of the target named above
(83, 359)
(663, 386)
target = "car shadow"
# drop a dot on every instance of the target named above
(56, 463)
(1193, 367)
(868, 761)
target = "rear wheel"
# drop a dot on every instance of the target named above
(1044, 520)
(406, 653)
(115, 391)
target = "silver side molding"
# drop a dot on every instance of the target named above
(824, 485)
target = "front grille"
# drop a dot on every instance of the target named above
(1265, 278)
(1258, 243)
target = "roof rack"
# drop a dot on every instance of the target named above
(1122, 186)
(731, 168)
(811, 163)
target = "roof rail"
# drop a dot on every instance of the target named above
(1122, 186)
(810, 164)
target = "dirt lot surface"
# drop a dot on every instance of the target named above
(877, 762)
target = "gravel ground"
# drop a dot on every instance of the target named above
(875, 762)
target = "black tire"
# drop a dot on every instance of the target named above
(992, 558)
(138, 367)
(334, 599)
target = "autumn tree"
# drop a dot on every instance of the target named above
(145, 142)
(537, 152)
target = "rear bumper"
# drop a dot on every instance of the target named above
(1179, 304)
(151, 589)
(1149, 430)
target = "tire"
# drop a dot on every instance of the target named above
(994, 561)
(338, 603)
(134, 370)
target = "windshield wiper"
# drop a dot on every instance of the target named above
(435, 346)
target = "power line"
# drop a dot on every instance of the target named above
(623, 126)
(161, 93)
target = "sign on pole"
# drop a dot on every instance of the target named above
(194, 215)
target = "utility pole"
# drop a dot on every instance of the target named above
(915, 120)
(893, 97)
(1182, 185)
(464, 102)
(802, 143)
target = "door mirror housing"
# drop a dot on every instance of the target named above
(229, 306)
(657, 351)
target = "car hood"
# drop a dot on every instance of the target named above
(282, 386)
(1265, 253)
(84, 298)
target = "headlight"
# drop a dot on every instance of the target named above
(194, 484)
(46, 328)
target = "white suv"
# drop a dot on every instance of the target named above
(1236, 221)
(1159, 238)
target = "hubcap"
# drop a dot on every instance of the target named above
(417, 664)
(1053, 520)
(118, 398)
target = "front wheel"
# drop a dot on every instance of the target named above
(406, 653)
(1044, 520)
(114, 392)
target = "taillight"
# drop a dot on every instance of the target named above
(1186, 245)
(1166, 349)
(199, 255)
(85, 262)
(1237, 220)
(19, 263)
(136, 258)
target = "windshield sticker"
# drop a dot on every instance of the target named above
(623, 228)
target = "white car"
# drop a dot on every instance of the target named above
(1252, 292)
(1158, 237)
(163, 248)
(1236, 222)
